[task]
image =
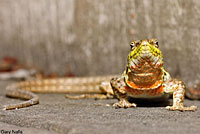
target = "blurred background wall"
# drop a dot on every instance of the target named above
(91, 37)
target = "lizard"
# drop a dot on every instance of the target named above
(144, 77)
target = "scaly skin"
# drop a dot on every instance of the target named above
(96, 87)
(145, 77)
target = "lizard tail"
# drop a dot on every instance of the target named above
(24, 89)
(15, 91)
(64, 85)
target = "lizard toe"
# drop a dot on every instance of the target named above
(177, 108)
(124, 104)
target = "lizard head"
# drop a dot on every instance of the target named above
(145, 62)
(145, 51)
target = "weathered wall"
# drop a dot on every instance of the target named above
(92, 36)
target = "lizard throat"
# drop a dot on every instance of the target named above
(145, 80)
(145, 87)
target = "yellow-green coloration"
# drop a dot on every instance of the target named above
(146, 78)
(145, 45)
(166, 76)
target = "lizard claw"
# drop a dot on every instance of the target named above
(124, 104)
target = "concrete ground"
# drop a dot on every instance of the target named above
(55, 114)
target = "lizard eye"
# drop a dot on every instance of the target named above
(133, 45)
(155, 42)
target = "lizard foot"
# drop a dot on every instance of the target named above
(124, 104)
(181, 108)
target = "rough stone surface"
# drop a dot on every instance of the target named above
(92, 37)
(8, 128)
(55, 114)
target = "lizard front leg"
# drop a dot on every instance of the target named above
(177, 87)
(118, 86)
